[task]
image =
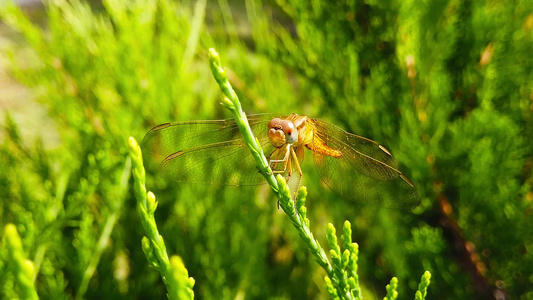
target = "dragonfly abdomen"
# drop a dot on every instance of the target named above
(319, 147)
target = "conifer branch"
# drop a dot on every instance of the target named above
(421, 293)
(337, 278)
(173, 272)
(22, 267)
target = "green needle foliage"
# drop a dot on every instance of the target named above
(233, 104)
(279, 185)
(22, 268)
(173, 272)
(423, 286)
(445, 85)
(392, 293)
(342, 281)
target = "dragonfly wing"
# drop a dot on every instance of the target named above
(225, 163)
(365, 172)
(166, 139)
(207, 151)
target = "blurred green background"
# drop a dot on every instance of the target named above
(446, 85)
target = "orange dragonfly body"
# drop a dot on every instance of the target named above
(355, 167)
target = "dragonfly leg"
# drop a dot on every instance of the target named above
(272, 163)
(290, 168)
(285, 159)
(289, 172)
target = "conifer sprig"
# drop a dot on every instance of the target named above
(392, 293)
(173, 272)
(425, 280)
(278, 184)
(342, 281)
(231, 102)
(344, 262)
(23, 269)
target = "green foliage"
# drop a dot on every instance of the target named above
(23, 268)
(423, 286)
(341, 279)
(445, 85)
(392, 287)
(232, 103)
(174, 274)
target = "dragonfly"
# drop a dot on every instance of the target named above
(214, 152)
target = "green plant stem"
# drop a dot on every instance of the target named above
(425, 280)
(392, 287)
(277, 184)
(23, 268)
(173, 272)
(301, 224)
(231, 102)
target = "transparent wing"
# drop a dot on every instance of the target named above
(166, 139)
(366, 171)
(207, 151)
(226, 163)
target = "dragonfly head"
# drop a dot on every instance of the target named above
(281, 132)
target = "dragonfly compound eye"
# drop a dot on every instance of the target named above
(291, 133)
(275, 133)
